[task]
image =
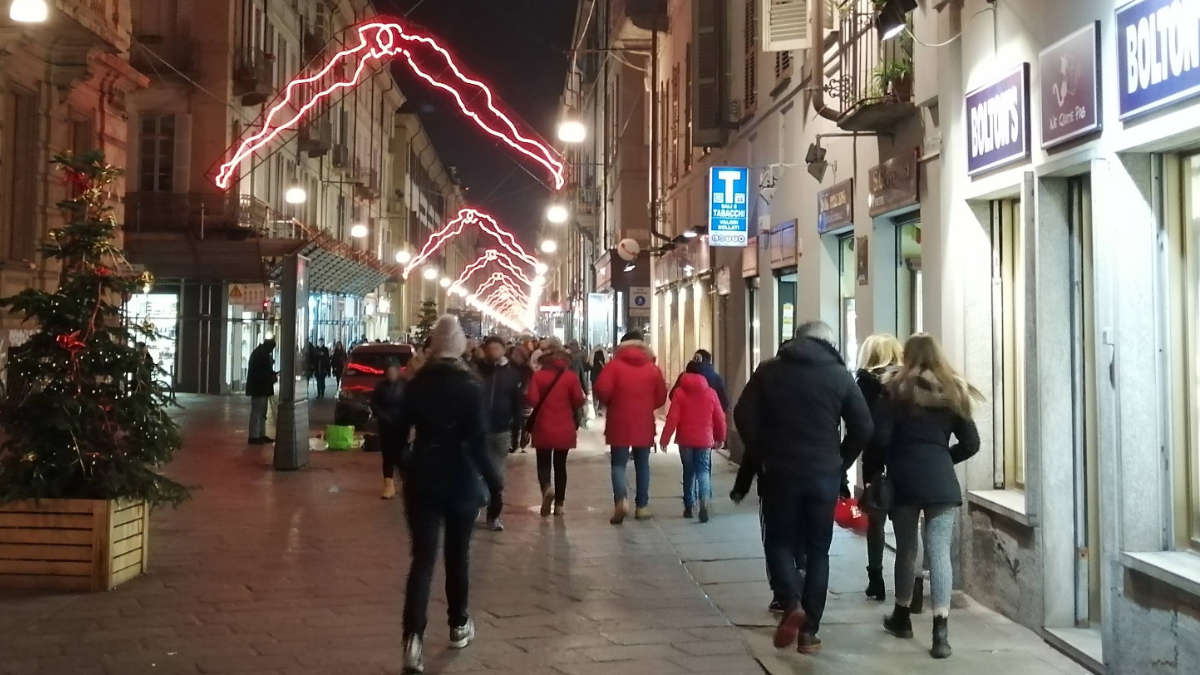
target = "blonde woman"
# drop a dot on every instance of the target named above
(878, 355)
(925, 403)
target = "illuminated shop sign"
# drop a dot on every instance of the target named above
(1158, 54)
(998, 122)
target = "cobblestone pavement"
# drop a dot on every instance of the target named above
(266, 572)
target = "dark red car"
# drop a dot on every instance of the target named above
(363, 371)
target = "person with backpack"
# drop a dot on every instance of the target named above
(697, 422)
(557, 400)
(632, 388)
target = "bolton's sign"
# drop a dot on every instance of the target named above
(728, 205)
(998, 122)
(1158, 53)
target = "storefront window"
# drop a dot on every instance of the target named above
(1186, 332)
(753, 334)
(847, 281)
(786, 307)
(909, 308)
(1008, 320)
(159, 311)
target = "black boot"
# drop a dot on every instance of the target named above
(918, 597)
(941, 638)
(875, 590)
(899, 623)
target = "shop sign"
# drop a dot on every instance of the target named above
(728, 205)
(892, 184)
(835, 206)
(862, 260)
(783, 245)
(998, 122)
(1070, 72)
(1158, 54)
(724, 281)
(750, 258)
(639, 302)
(247, 295)
(604, 272)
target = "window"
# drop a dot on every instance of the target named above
(909, 286)
(687, 119)
(750, 82)
(783, 66)
(20, 155)
(1185, 276)
(675, 124)
(1008, 319)
(156, 154)
(847, 281)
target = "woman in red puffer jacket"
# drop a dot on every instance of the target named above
(698, 424)
(555, 394)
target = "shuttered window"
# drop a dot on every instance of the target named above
(785, 25)
(750, 84)
(156, 154)
(675, 124)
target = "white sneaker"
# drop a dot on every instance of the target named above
(461, 636)
(414, 661)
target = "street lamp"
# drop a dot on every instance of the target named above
(403, 256)
(890, 21)
(29, 11)
(549, 246)
(541, 267)
(445, 282)
(359, 231)
(571, 131)
(295, 195)
(557, 214)
(690, 234)
(430, 273)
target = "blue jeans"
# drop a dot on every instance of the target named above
(641, 466)
(697, 474)
(798, 517)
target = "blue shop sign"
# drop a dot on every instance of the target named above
(998, 122)
(728, 205)
(1158, 54)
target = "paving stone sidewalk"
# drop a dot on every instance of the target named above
(266, 572)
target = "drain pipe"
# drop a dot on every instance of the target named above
(816, 61)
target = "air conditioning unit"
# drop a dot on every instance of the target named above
(316, 137)
(341, 156)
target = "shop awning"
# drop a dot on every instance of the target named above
(331, 270)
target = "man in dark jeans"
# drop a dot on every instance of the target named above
(790, 413)
(504, 405)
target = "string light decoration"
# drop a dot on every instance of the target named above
(502, 280)
(377, 41)
(487, 224)
(499, 257)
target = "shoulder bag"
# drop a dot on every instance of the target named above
(533, 415)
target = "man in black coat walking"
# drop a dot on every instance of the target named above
(260, 387)
(790, 413)
(321, 367)
(387, 404)
(503, 404)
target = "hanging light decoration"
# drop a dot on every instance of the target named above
(487, 224)
(359, 231)
(430, 273)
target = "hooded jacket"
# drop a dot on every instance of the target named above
(631, 387)
(790, 415)
(554, 426)
(714, 380)
(870, 383)
(503, 394)
(913, 438)
(696, 418)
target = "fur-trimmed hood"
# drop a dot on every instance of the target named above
(922, 389)
(635, 353)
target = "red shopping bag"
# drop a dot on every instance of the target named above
(847, 514)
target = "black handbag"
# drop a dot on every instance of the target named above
(529, 421)
(880, 495)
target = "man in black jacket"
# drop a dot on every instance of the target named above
(387, 404)
(260, 387)
(790, 413)
(503, 404)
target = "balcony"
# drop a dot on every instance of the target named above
(99, 23)
(203, 215)
(316, 137)
(341, 156)
(178, 51)
(871, 78)
(367, 185)
(254, 77)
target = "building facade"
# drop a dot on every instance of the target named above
(1014, 178)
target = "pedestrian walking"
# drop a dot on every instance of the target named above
(338, 361)
(260, 387)
(556, 398)
(518, 355)
(925, 403)
(387, 404)
(321, 367)
(704, 361)
(878, 355)
(697, 421)
(597, 366)
(790, 412)
(631, 387)
(504, 401)
(444, 405)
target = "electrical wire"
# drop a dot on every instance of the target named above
(222, 100)
(907, 29)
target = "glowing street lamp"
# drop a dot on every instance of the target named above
(541, 268)
(549, 246)
(539, 281)
(295, 195)
(445, 282)
(557, 214)
(430, 273)
(29, 11)
(359, 231)
(403, 256)
(571, 131)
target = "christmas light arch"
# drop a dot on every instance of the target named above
(487, 225)
(379, 41)
(500, 258)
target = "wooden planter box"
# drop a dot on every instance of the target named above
(72, 544)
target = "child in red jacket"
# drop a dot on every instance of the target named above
(698, 424)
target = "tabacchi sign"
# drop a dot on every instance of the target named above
(998, 122)
(728, 205)
(1158, 53)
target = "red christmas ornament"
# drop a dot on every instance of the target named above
(71, 342)
(102, 271)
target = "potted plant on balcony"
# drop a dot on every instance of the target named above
(894, 79)
(84, 417)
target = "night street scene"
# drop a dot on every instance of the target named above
(599, 337)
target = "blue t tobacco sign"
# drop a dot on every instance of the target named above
(1158, 53)
(1070, 71)
(998, 122)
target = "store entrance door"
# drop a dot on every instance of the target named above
(160, 312)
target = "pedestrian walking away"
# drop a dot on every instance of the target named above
(321, 367)
(337, 362)
(387, 404)
(697, 421)
(704, 362)
(518, 356)
(925, 403)
(504, 401)
(260, 387)
(803, 459)
(879, 355)
(594, 374)
(632, 388)
(444, 406)
(557, 400)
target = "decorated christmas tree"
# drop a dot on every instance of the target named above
(84, 415)
(426, 319)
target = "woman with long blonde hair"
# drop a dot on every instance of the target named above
(925, 403)
(878, 355)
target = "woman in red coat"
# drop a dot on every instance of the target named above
(554, 394)
(698, 424)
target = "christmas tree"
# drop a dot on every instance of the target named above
(84, 415)
(426, 319)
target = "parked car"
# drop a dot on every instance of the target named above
(363, 371)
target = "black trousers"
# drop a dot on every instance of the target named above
(546, 457)
(799, 556)
(391, 448)
(876, 520)
(798, 516)
(425, 521)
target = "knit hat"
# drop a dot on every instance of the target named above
(447, 340)
(633, 336)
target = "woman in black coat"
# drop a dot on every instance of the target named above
(878, 354)
(444, 405)
(925, 404)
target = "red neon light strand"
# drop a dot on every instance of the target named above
(492, 255)
(455, 227)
